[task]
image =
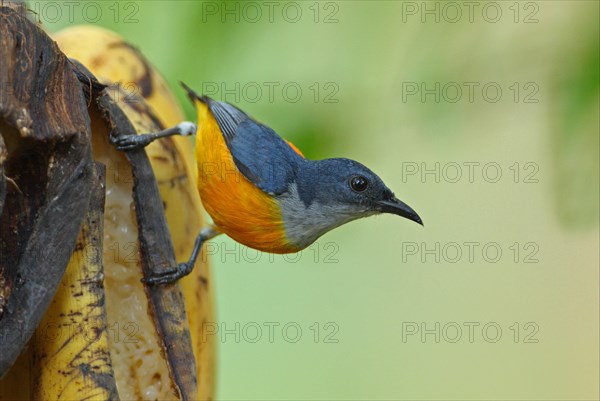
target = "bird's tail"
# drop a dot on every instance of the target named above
(192, 95)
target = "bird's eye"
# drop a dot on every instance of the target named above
(358, 183)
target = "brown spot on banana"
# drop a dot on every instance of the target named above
(144, 81)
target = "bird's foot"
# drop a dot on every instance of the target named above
(131, 142)
(169, 276)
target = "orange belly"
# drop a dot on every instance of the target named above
(238, 208)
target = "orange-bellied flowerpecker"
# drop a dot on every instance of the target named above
(262, 192)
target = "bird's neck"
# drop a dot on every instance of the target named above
(306, 215)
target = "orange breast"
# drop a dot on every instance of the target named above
(237, 207)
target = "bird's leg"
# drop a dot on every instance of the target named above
(183, 269)
(130, 142)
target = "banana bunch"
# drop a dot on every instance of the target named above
(105, 335)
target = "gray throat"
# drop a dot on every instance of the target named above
(304, 223)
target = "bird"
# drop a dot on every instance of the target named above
(261, 191)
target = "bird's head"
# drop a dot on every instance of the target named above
(332, 192)
(353, 188)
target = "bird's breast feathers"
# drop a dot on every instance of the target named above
(238, 207)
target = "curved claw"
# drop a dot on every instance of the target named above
(131, 142)
(168, 276)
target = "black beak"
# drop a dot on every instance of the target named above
(396, 206)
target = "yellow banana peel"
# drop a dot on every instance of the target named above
(99, 338)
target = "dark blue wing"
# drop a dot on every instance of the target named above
(261, 155)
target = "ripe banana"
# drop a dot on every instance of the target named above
(75, 328)
(113, 60)
(81, 345)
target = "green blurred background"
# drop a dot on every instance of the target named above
(364, 294)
